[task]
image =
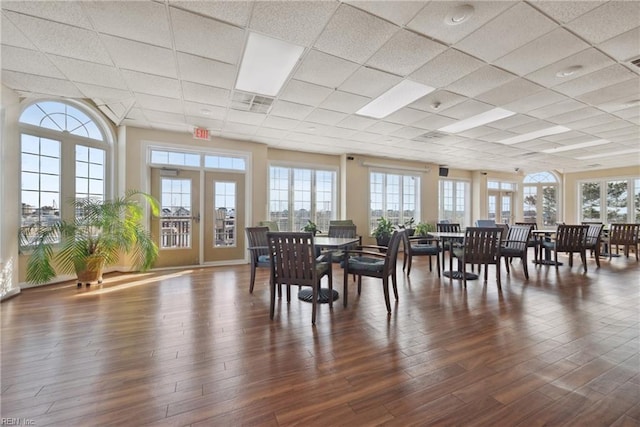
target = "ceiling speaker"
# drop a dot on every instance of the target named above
(443, 171)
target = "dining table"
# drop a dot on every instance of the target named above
(540, 236)
(449, 236)
(330, 243)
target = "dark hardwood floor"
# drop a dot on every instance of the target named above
(193, 347)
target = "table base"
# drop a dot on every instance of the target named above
(323, 296)
(546, 262)
(459, 275)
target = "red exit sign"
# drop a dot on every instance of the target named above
(201, 133)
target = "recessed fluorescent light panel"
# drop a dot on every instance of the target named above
(609, 154)
(477, 120)
(266, 64)
(402, 94)
(576, 146)
(533, 135)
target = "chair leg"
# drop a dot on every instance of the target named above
(330, 277)
(359, 284)
(555, 258)
(506, 264)
(253, 278)
(385, 289)
(314, 301)
(272, 295)
(410, 262)
(464, 272)
(394, 283)
(583, 255)
(438, 264)
(570, 259)
(497, 272)
(430, 265)
(597, 254)
(486, 271)
(345, 288)
(524, 266)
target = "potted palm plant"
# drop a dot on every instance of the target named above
(94, 239)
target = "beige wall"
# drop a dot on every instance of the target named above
(572, 180)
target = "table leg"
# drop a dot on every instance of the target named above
(323, 296)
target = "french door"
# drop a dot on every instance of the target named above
(201, 219)
(500, 206)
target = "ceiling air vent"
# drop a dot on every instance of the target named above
(636, 62)
(530, 153)
(243, 101)
(430, 136)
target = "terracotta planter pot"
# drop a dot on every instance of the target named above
(92, 271)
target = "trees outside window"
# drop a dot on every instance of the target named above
(540, 198)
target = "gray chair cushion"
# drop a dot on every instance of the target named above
(365, 263)
(263, 259)
(510, 252)
(424, 249)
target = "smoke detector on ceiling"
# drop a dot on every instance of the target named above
(459, 14)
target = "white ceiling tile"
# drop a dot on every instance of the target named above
(107, 93)
(549, 48)
(624, 47)
(384, 128)
(481, 80)
(437, 101)
(155, 116)
(271, 133)
(590, 60)
(607, 21)
(446, 68)
(365, 136)
(466, 109)
(508, 31)
(11, 36)
(589, 82)
(511, 122)
(508, 92)
(535, 101)
(324, 70)
(203, 122)
(405, 116)
(344, 102)
(136, 20)
(65, 12)
(369, 82)
(356, 122)
(556, 108)
(233, 12)
(632, 113)
(405, 52)
(205, 94)
(38, 84)
(279, 123)
(398, 12)
(354, 35)
(207, 37)
(433, 122)
(290, 110)
(206, 111)
(206, 71)
(305, 93)
(159, 103)
(141, 57)
(245, 117)
(572, 116)
(60, 39)
(615, 91)
(152, 85)
(341, 133)
(89, 72)
(566, 11)
(28, 61)
(326, 117)
(480, 132)
(297, 22)
(408, 132)
(431, 19)
(310, 128)
(595, 120)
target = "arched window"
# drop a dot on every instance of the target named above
(540, 197)
(65, 154)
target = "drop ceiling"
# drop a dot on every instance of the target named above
(172, 65)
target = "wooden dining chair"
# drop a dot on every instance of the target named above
(420, 246)
(515, 246)
(625, 235)
(368, 261)
(341, 230)
(481, 246)
(293, 262)
(258, 251)
(533, 242)
(570, 239)
(594, 239)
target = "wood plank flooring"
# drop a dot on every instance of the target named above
(193, 347)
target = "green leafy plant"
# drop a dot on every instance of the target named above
(384, 229)
(409, 223)
(423, 229)
(311, 227)
(99, 233)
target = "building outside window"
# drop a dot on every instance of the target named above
(298, 195)
(63, 155)
(610, 201)
(454, 200)
(395, 196)
(540, 198)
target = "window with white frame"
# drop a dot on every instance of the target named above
(63, 155)
(540, 198)
(395, 196)
(298, 195)
(455, 201)
(610, 201)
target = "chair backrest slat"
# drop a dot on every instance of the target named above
(518, 236)
(257, 236)
(571, 238)
(448, 227)
(342, 231)
(292, 258)
(482, 245)
(624, 234)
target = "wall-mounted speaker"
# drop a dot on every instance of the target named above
(443, 171)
